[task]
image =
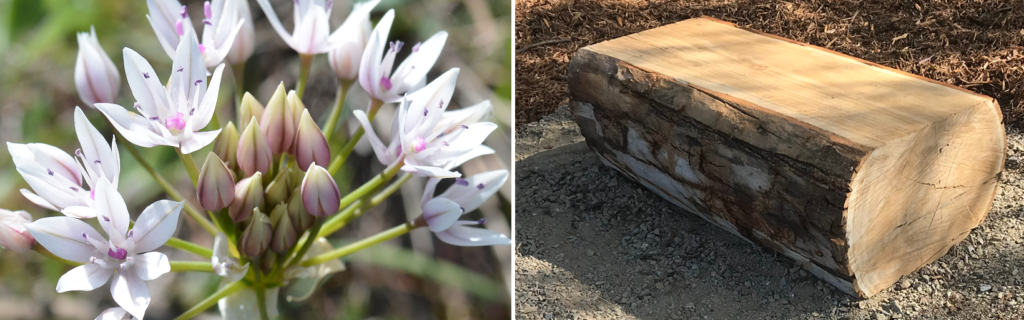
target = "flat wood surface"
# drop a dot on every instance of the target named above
(851, 98)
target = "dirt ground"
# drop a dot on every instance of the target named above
(974, 44)
(592, 244)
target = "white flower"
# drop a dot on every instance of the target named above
(172, 115)
(223, 264)
(115, 314)
(224, 20)
(311, 34)
(96, 77)
(58, 180)
(126, 255)
(350, 40)
(222, 23)
(432, 142)
(442, 212)
(245, 41)
(375, 74)
(13, 235)
(242, 305)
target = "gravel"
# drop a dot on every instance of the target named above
(592, 244)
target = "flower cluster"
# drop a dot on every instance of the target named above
(267, 187)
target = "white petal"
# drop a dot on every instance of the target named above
(80, 212)
(205, 111)
(480, 150)
(133, 127)
(471, 196)
(414, 68)
(428, 190)
(130, 292)
(59, 194)
(156, 224)
(38, 200)
(112, 212)
(216, 55)
(276, 23)
(354, 23)
(472, 237)
(433, 98)
(63, 237)
(378, 147)
(188, 74)
(86, 277)
(151, 265)
(441, 213)
(39, 156)
(369, 67)
(242, 305)
(198, 141)
(464, 142)
(94, 146)
(310, 34)
(112, 314)
(428, 171)
(145, 85)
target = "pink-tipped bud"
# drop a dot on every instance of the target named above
(284, 234)
(301, 219)
(248, 195)
(277, 122)
(216, 187)
(257, 235)
(319, 192)
(296, 107)
(278, 189)
(248, 109)
(253, 150)
(310, 144)
(96, 77)
(226, 145)
(13, 235)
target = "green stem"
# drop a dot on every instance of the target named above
(46, 253)
(305, 61)
(190, 247)
(351, 144)
(173, 193)
(211, 300)
(190, 166)
(184, 266)
(361, 244)
(332, 120)
(261, 300)
(359, 207)
(371, 185)
(313, 232)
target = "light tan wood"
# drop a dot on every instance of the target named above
(853, 99)
(858, 172)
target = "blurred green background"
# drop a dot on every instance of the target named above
(413, 277)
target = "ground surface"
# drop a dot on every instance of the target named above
(969, 43)
(592, 244)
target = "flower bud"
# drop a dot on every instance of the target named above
(310, 144)
(301, 219)
(96, 77)
(284, 234)
(216, 187)
(319, 192)
(277, 190)
(226, 146)
(257, 235)
(267, 263)
(248, 109)
(296, 107)
(253, 151)
(245, 41)
(13, 235)
(277, 122)
(248, 196)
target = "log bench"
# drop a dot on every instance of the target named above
(859, 172)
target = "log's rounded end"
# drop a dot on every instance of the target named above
(915, 197)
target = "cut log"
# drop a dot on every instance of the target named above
(859, 172)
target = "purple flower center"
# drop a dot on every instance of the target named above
(481, 221)
(48, 171)
(419, 144)
(202, 50)
(385, 82)
(461, 182)
(480, 186)
(416, 47)
(145, 74)
(92, 194)
(120, 254)
(176, 123)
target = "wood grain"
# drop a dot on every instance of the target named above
(858, 172)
